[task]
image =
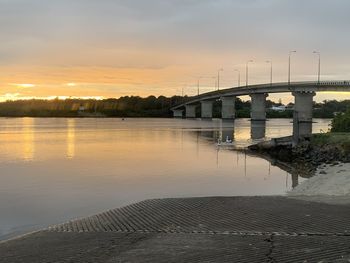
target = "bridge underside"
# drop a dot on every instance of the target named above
(303, 93)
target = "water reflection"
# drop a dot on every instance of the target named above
(80, 167)
(28, 139)
(258, 130)
(227, 130)
(295, 180)
(206, 129)
(70, 138)
(294, 173)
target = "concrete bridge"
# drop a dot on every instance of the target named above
(303, 93)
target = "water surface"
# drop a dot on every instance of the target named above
(56, 169)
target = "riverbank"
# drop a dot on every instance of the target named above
(331, 180)
(319, 149)
(210, 229)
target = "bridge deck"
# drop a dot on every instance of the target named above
(336, 86)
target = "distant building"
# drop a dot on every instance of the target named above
(81, 108)
(278, 108)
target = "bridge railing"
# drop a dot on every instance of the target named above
(343, 83)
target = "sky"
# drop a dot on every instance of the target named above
(113, 48)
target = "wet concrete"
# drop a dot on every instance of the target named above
(211, 229)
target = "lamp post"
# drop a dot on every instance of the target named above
(221, 69)
(215, 78)
(270, 61)
(239, 77)
(246, 72)
(198, 85)
(319, 66)
(290, 53)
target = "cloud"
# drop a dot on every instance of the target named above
(23, 85)
(157, 42)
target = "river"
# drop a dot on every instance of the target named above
(56, 169)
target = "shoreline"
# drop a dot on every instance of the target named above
(319, 149)
(329, 180)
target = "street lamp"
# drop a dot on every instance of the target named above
(221, 69)
(319, 66)
(215, 78)
(198, 85)
(290, 53)
(246, 72)
(270, 61)
(239, 77)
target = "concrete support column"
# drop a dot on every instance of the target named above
(177, 113)
(190, 111)
(228, 107)
(257, 130)
(207, 109)
(302, 117)
(258, 106)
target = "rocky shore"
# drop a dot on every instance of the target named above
(308, 155)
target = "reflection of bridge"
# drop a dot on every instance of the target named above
(227, 128)
(303, 93)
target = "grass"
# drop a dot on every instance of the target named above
(341, 139)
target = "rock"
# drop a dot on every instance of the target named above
(341, 171)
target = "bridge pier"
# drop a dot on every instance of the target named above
(190, 111)
(302, 116)
(258, 106)
(228, 107)
(207, 109)
(257, 130)
(177, 113)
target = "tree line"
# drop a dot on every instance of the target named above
(128, 106)
(135, 106)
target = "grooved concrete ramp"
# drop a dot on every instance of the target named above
(212, 229)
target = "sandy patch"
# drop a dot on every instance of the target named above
(331, 184)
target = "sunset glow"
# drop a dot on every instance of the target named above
(174, 131)
(25, 85)
(119, 48)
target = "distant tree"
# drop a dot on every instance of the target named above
(151, 106)
(270, 103)
(341, 122)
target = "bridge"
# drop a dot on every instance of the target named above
(303, 93)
